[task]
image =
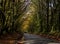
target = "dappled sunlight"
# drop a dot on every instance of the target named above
(28, 17)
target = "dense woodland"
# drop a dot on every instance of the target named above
(31, 16)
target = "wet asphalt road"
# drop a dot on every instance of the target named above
(30, 39)
(34, 39)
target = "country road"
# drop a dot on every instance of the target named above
(34, 39)
(30, 39)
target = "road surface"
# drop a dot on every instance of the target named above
(30, 39)
(34, 39)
